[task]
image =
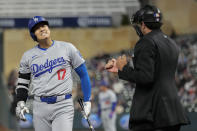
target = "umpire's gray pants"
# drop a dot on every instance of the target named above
(109, 124)
(53, 117)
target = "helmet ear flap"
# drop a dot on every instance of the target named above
(33, 36)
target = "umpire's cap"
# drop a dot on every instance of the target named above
(33, 22)
(148, 13)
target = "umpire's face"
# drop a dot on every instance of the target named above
(42, 31)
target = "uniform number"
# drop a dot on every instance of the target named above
(61, 74)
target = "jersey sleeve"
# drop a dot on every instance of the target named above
(85, 81)
(23, 79)
(113, 101)
(113, 97)
(75, 56)
(24, 66)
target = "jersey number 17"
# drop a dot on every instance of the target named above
(61, 74)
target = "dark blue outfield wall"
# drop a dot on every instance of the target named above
(91, 21)
(121, 122)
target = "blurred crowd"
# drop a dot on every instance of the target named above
(186, 76)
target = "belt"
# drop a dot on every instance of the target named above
(52, 99)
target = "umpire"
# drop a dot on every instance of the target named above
(156, 106)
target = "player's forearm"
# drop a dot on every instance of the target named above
(22, 86)
(21, 94)
(86, 88)
(113, 106)
(85, 81)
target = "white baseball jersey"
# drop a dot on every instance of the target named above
(106, 99)
(50, 69)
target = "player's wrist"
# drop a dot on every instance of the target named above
(87, 99)
(87, 107)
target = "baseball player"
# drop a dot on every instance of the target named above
(48, 66)
(107, 105)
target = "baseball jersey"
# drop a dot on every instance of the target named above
(50, 69)
(106, 99)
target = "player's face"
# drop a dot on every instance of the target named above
(102, 88)
(42, 31)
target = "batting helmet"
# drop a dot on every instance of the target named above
(33, 22)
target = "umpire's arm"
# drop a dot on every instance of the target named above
(144, 63)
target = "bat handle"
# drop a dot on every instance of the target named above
(86, 117)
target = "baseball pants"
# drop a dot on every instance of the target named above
(109, 124)
(53, 117)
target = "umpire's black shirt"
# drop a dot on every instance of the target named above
(155, 102)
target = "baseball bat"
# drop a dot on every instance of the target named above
(80, 101)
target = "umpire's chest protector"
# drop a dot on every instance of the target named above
(157, 105)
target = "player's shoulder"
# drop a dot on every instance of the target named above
(30, 52)
(100, 94)
(110, 91)
(63, 43)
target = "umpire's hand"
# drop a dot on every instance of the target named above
(21, 110)
(121, 62)
(111, 66)
(114, 65)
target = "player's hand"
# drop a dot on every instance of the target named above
(111, 66)
(121, 62)
(21, 110)
(87, 107)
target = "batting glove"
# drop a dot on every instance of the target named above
(21, 110)
(87, 107)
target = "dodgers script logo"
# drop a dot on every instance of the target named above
(48, 66)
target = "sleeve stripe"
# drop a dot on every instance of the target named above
(25, 76)
(21, 80)
(18, 87)
(23, 84)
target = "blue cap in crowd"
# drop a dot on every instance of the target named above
(103, 83)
